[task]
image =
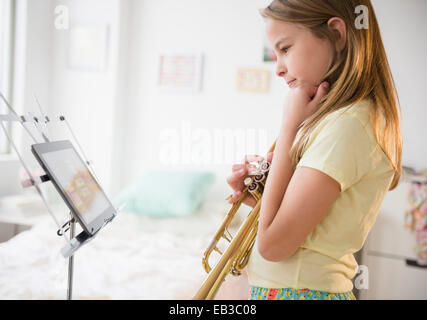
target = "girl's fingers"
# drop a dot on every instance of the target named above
(239, 166)
(252, 158)
(235, 197)
(246, 162)
(239, 172)
(235, 180)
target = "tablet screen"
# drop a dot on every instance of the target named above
(77, 182)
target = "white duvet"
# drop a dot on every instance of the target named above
(135, 257)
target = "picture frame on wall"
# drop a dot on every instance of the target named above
(268, 53)
(180, 72)
(254, 80)
(88, 47)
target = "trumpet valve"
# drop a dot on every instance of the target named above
(265, 167)
(248, 181)
(259, 177)
(253, 187)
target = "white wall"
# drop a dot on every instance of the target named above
(230, 35)
(88, 98)
(32, 71)
(404, 30)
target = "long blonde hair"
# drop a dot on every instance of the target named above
(361, 71)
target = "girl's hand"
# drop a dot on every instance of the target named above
(239, 173)
(301, 102)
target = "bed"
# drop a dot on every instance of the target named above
(135, 257)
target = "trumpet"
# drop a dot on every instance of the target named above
(236, 255)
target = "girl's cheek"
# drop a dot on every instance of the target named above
(297, 67)
(310, 68)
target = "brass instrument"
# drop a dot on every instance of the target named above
(236, 256)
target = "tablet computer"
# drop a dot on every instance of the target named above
(75, 183)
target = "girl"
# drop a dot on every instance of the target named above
(337, 153)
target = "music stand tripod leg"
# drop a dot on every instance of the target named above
(71, 262)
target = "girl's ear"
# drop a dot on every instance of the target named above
(338, 28)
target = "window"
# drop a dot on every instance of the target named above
(6, 61)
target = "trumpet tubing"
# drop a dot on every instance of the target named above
(236, 256)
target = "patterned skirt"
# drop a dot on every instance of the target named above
(259, 293)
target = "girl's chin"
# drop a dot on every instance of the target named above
(302, 83)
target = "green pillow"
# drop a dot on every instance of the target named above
(166, 193)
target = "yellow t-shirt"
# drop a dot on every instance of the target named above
(344, 147)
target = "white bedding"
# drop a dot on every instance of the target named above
(135, 257)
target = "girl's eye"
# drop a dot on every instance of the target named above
(285, 49)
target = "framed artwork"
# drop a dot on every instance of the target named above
(88, 47)
(180, 72)
(253, 80)
(268, 52)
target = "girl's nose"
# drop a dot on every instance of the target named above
(280, 70)
(280, 74)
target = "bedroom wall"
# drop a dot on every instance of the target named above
(31, 76)
(405, 40)
(128, 91)
(88, 97)
(230, 35)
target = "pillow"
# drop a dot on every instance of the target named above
(166, 193)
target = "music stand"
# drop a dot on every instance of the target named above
(41, 122)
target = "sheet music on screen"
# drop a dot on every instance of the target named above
(78, 184)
